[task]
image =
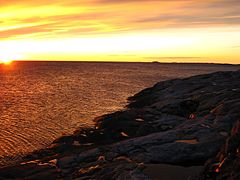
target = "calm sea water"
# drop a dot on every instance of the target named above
(40, 101)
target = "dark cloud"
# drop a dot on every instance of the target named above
(188, 20)
(222, 12)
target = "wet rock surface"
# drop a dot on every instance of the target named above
(184, 122)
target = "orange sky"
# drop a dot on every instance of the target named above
(121, 30)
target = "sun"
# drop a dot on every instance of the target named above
(6, 61)
(8, 58)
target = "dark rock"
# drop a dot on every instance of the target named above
(28, 171)
(67, 161)
(65, 140)
(183, 108)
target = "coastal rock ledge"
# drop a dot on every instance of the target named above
(164, 133)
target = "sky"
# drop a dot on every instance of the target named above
(121, 30)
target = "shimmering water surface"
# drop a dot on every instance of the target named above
(40, 101)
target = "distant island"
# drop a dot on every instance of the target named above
(155, 62)
(182, 128)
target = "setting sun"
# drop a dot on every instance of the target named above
(6, 61)
(7, 58)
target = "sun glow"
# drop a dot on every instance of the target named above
(191, 45)
(6, 61)
(7, 58)
(100, 30)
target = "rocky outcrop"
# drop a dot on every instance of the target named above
(226, 165)
(183, 122)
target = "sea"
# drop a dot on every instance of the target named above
(41, 101)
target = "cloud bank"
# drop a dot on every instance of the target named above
(75, 18)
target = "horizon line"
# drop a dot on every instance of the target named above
(106, 61)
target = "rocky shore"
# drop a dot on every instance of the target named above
(178, 129)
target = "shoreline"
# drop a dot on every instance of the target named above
(182, 122)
